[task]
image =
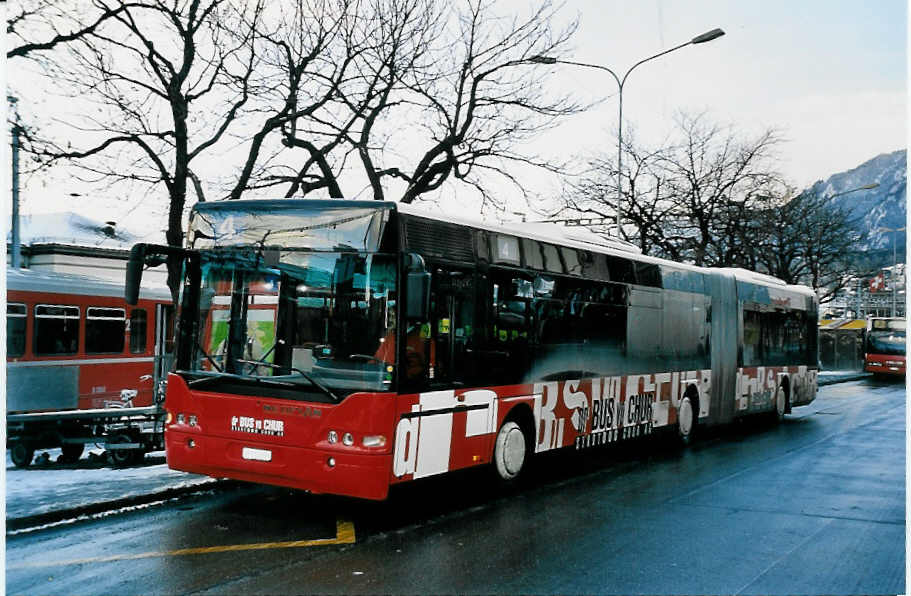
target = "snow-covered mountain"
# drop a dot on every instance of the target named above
(877, 210)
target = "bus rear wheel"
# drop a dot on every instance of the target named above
(781, 404)
(510, 452)
(686, 420)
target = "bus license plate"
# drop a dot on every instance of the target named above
(256, 454)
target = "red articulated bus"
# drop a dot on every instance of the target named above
(885, 346)
(346, 346)
(78, 358)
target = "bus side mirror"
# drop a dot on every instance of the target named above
(417, 302)
(142, 255)
(134, 273)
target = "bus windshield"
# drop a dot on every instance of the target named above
(296, 320)
(890, 343)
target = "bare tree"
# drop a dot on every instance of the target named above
(803, 238)
(53, 23)
(313, 95)
(165, 82)
(714, 198)
(688, 199)
(430, 94)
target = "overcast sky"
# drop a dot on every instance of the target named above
(829, 74)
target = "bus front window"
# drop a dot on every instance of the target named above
(312, 318)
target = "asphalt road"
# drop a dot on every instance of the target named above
(813, 505)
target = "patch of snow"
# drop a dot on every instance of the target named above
(46, 488)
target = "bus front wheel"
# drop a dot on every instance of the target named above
(510, 452)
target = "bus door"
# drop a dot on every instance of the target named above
(164, 347)
(452, 326)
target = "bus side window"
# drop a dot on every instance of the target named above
(752, 338)
(56, 330)
(621, 269)
(138, 330)
(105, 329)
(16, 315)
(510, 298)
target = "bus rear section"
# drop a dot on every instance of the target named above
(885, 347)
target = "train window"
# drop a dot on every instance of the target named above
(15, 330)
(104, 330)
(56, 330)
(138, 328)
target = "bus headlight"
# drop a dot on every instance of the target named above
(348, 439)
(374, 441)
(332, 438)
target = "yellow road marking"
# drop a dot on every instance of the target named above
(344, 534)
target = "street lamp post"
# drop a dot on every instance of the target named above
(16, 254)
(894, 260)
(707, 36)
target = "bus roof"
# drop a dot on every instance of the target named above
(564, 236)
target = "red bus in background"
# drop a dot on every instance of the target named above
(346, 346)
(73, 348)
(885, 346)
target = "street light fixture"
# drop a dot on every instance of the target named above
(16, 256)
(703, 38)
(845, 192)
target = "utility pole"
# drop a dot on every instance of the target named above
(16, 257)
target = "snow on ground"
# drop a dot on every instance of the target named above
(42, 488)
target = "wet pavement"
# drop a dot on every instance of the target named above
(813, 505)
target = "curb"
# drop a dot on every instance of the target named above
(50, 517)
(822, 380)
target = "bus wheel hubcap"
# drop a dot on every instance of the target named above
(511, 450)
(685, 417)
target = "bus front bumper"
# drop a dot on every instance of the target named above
(336, 472)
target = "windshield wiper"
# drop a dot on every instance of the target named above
(196, 383)
(315, 383)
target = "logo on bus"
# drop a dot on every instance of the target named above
(256, 426)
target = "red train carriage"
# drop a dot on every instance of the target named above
(345, 346)
(74, 348)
